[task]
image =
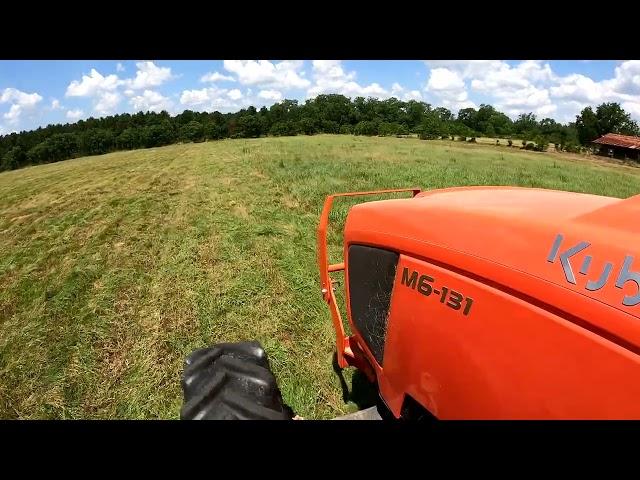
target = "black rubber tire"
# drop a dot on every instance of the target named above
(231, 381)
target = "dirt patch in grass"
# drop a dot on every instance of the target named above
(239, 210)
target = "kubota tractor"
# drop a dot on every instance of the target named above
(468, 303)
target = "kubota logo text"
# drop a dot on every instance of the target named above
(625, 275)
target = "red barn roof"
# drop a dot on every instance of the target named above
(625, 141)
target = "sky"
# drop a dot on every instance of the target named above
(38, 93)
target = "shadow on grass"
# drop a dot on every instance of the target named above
(363, 392)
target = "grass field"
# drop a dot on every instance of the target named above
(114, 268)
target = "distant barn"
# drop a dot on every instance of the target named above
(619, 146)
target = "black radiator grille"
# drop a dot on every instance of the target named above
(371, 274)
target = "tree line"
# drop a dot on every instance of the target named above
(331, 113)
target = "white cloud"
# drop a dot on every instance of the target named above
(444, 80)
(150, 101)
(374, 90)
(107, 103)
(101, 88)
(412, 95)
(466, 68)
(627, 78)
(13, 115)
(283, 75)
(17, 97)
(536, 71)
(512, 89)
(273, 95)
(566, 111)
(92, 84)
(225, 100)
(529, 99)
(399, 92)
(106, 90)
(74, 114)
(533, 86)
(95, 84)
(578, 88)
(216, 77)
(575, 91)
(330, 77)
(505, 77)
(21, 102)
(7, 131)
(332, 70)
(149, 75)
(210, 99)
(196, 97)
(234, 94)
(633, 108)
(449, 88)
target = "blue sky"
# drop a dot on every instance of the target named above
(37, 93)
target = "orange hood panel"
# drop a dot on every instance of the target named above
(503, 234)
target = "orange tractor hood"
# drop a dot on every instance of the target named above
(533, 243)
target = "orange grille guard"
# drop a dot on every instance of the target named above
(344, 347)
